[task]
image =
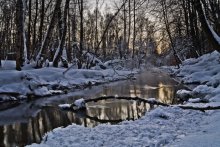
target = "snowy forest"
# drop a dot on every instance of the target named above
(109, 73)
(38, 32)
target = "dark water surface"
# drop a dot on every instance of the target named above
(27, 122)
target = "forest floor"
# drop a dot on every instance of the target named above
(163, 126)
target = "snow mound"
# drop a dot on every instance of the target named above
(204, 71)
(163, 126)
(64, 106)
(80, 103)
(184, 94)
(150, 130)
(49, 81)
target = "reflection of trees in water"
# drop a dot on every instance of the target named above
(20, 134)
(120, 110)
(166, 93)
(147, 85)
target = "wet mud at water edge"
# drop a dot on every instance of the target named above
(28, 122)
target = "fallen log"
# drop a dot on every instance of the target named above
(203, 109)
(81, 104)
(151, 102)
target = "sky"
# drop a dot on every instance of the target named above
(102, 4)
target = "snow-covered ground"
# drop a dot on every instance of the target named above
(163, 126)
(49, 80)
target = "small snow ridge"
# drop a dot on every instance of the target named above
(184, 94)
(64, 106)
(42, 91)
(160, 113)
(80, 103)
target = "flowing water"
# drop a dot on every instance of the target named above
(27, 122)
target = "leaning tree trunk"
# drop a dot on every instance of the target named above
(166, 22)
(63, 36)
(211, 34)
(48, 34)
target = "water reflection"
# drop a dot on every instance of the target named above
(28, 122)
(20, 134)
(147, 85)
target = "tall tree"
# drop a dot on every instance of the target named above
(129, 21)
(23, 32)
(74, 22)
(134, 28)
(81, 26)
(209, 31)
(19, 33)
(125, 29)
(63, 36)
(43, 49)
(96, 23)
(166, 22)
(42, 15)
(81, 43)
(35, 27)
(29, 45)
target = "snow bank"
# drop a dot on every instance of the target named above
(157, 128)
(48, 81)
(205, 71)
(80, 103)
(163, 126)
(65, 106)
(201, 70)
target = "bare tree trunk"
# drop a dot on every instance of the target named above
(19, 33)
(74, 24)
(211, 35)
(62, 41)
(69, 49)
(81, 43)
(134, 29)
(60, 22)
(41, 21)
(186, 17)
(192, 18)
(47, 36)
(24, 33)
(81, 27)
(129, 22)
(29, 46)
(164, 9)
(34, 27)
(96, 24)
(125, 31)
